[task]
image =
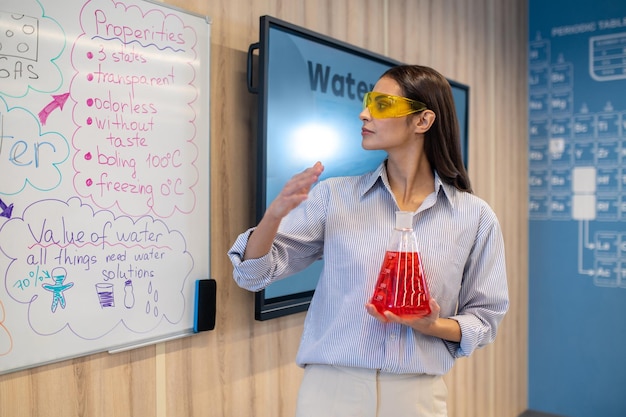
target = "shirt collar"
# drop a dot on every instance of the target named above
(380, 175)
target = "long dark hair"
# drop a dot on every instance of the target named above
(442, 141)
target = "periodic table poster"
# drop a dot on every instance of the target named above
(577, 207)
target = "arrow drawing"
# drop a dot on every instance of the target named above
(5, 211)
(57, 102)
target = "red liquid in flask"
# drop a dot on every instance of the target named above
(401, 287)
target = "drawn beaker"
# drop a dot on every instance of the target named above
(105, 294)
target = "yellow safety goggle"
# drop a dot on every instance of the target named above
(382, 106)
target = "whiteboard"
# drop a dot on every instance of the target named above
(104, 176)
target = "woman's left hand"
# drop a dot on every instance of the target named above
(420, 323)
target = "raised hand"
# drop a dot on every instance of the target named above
(294, 192)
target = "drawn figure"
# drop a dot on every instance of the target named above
(58, 274)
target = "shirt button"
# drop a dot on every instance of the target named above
(393, 337)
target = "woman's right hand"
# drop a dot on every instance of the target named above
(295, 191)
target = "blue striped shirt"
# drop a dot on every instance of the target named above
(348, 221)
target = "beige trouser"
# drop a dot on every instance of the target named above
(331, 391)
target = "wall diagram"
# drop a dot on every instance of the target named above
(577, 154)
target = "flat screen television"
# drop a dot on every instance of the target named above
(310, 91)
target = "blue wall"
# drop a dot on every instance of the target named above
(577, 207)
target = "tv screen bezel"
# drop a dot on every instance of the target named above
(270, 308)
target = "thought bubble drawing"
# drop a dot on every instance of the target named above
(28, 156)
(90, 271)
(134, 89)
(30, 43)
(6, 340)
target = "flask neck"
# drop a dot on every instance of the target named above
(404, 220)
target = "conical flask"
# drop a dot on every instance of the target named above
(401, 287)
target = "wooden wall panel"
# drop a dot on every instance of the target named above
(244, 367)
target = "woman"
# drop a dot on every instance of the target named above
(357, 361)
